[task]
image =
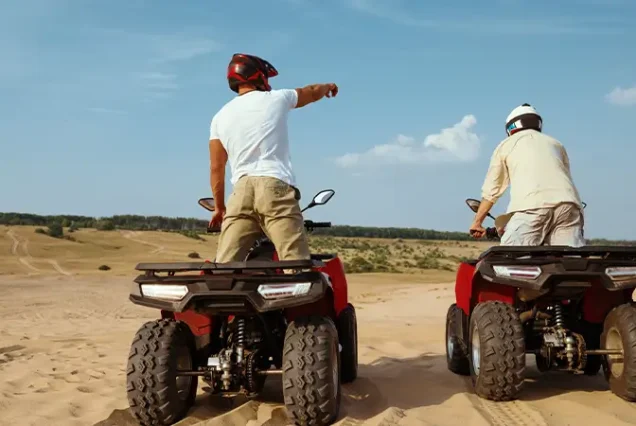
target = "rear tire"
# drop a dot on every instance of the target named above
(348, 336)
(156, 395)
(497, 351)
(311, 371)
(456, 350)
(619, 332)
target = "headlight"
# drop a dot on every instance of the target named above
(279, 291)
(525, 272)
(621, 272)
(168, 292)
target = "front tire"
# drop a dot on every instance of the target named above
(619, 332)
(348, 336)
(156, 395)
(497, 351)
(311, 371)
(456, 351)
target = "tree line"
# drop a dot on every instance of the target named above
(193, 225)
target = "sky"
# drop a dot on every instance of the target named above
(105, 106)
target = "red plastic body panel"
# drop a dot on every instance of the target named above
(335, 269)
(471, 288)
(598, 301)
(464, 286)
(200, 325)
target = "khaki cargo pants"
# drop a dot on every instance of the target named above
(262, 204)
(561, 225)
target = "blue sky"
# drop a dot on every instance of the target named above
(105, 106)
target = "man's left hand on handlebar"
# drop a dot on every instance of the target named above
(217, 218)
(476, 230)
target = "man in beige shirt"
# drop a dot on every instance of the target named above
(546, 204)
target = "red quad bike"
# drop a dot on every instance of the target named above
(235, 324)
(570, 307)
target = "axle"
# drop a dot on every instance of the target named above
(271, 372)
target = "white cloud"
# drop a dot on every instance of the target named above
(102, 110)
(182, 47)
(452, 144)
(622, 97)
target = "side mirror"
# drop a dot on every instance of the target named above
(473, 204)
(207, 203)
(584, 204)
(321, 198)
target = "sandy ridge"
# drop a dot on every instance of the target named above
(27, 259)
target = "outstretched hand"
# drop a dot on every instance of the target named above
(331, 90)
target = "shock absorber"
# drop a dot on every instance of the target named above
(240, 340)
(558, 315)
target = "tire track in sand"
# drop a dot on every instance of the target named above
(158, 248)
(508, 413)
(26, 259)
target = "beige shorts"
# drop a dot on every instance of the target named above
(561, 225)
(262, 204)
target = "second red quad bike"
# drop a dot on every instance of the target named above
(235, 324)
(570, 307)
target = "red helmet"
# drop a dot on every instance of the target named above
(249, 69)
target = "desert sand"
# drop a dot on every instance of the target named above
(65, 336)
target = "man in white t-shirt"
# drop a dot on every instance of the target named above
(250, 132)
(545, 202)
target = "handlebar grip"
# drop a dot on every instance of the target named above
(321, 224)
(491, 233)
(213, 229)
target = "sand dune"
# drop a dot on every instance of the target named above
(64, 343)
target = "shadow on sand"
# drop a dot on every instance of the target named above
(399, 383)
(384, 383)
(540, 386)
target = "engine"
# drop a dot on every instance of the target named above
(559, 347)
(242, 363)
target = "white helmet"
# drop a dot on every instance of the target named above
(523, 117)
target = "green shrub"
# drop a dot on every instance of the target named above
(105, 225)
(357, 265)
(191, 234)
(55, 230)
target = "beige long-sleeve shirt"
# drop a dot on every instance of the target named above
(537, 168)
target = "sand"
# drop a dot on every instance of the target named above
(64, 343)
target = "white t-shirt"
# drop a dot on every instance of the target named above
(253, 130)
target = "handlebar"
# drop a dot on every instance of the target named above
(491, 234)
(213, 229)
(311, 224)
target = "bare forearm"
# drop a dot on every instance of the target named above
(483, 210)
(317, 91)
(217, 183)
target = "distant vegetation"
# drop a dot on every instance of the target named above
(383, 255)
(192, 227)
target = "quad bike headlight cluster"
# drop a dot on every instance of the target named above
(166, 292)
(280, 291)
(524, 272)
(620, 273)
